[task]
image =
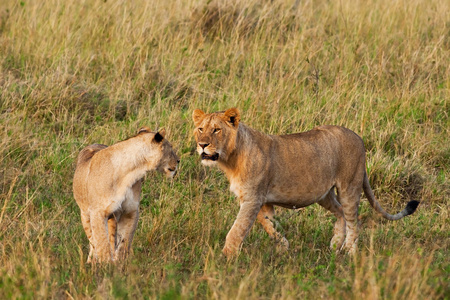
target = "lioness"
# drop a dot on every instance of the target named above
(107, 188)
(291, 171)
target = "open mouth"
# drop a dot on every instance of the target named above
(213, 157)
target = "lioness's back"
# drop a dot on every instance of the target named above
(316, 133)
(326, 140)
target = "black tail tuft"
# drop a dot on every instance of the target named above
(411, 207)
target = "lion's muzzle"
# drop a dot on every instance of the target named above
(212, 157)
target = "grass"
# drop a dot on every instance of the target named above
(74, 73)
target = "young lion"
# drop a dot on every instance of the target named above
(291, 171)
(107, 188)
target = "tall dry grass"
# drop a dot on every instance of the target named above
(78, 72)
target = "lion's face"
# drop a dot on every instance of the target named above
(168, 164)
(215, 134)
(161, 148)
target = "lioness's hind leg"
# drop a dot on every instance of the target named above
(100, 237)
(350, 204)
(330, 203)
(86, 221)
(265, 217)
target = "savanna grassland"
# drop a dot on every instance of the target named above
(74, 73)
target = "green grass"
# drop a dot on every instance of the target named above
(74, 73)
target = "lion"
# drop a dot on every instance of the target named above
(107, 187)
(291, 171)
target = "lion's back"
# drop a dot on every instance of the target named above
(317, 157)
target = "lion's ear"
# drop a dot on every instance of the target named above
(162, 132)
(197, 116)
(232, 116)
(159, 136)
(144, 129)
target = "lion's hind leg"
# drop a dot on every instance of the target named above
(100, 237)
(330, 203)
(349, 200)
(86, 221)
(265, 217)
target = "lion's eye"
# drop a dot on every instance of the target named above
(216, 130)
(200, 130)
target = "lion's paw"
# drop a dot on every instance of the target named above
(230, 251)
(282, 244)
(337, 243)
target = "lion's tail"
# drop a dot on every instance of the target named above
(409, 209)
(89, 151)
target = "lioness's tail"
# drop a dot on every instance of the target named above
(89, 151)
(409, 209)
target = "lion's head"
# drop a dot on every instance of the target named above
(168, 160)
(215, 134)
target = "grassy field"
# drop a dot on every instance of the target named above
(74, 73)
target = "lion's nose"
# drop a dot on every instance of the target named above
(203, 145)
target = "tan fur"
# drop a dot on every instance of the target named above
(291, 171)
(107, 188)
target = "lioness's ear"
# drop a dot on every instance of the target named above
(197, 116)
(144, 129)
(159, 136)
(232, 116)
(162, 132)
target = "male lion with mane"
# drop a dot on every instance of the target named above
(292, 171)
(107, 187)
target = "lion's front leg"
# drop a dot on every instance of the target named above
(126, 228)
(265, 217)
(244, 221)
